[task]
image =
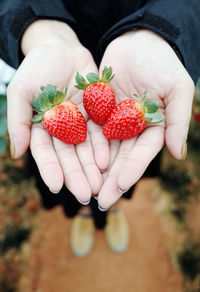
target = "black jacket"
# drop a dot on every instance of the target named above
(98, 22)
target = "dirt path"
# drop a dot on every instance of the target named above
(145, 266)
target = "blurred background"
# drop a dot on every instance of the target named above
(163, 216)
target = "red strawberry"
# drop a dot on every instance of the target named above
(129, 117)
(98, 97)
(62, 119)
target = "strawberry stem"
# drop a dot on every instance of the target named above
(107, 75)
(92, 78)
(144, 96)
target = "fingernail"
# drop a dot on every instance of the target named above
(84, 203)
(123, 191)
(102, 209)
(184, 151)
(12, 149)
(54, 192)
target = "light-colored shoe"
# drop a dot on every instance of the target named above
(117, 231)
(82, 235)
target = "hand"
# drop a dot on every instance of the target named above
(53, 56)
(143, 60)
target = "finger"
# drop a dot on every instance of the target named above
(19, 113)
(148, 144)
(100, 145)
(44, 154)
(178, 114)
(110, 192)
(86, 158)
(74, 177)
(114, 149)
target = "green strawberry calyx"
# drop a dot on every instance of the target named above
(49, 97)
(93, 78)
(150, 109)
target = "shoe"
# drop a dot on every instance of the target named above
(82, 235)
(117, 231)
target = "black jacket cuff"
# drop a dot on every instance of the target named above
(176, 28)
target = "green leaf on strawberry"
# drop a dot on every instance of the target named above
(58, 98)
(107, 75)
(154, 117)
(37, 106)
(150, 107)
(48, 98)
(50, 92)
(92, 78)
(81, 82)
(37, 119)
(44, 101)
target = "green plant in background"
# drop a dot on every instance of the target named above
(3, 123)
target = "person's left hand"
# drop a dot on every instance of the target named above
(142, 60)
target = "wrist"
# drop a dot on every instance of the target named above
(142, 35)
(47, 32)
(138, 41)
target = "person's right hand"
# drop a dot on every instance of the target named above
(53, 56)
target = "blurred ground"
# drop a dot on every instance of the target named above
(35, 255)
(146, 266)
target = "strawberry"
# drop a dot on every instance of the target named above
(129, 117)
(61, 118)
(98, 97)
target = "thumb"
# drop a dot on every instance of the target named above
(19, 113)
(178, 115)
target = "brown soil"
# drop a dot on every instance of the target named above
(145, 266)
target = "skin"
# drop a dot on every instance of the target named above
(146, 61)
(49, 47)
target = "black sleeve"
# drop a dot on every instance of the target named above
(178, 21)
(16, 15)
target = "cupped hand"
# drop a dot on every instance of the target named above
(142, 60)
(53, 56)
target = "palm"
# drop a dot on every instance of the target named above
(138, 67)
